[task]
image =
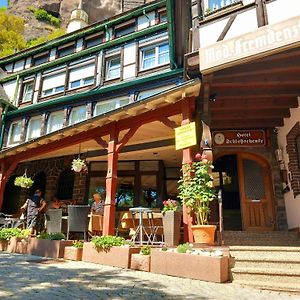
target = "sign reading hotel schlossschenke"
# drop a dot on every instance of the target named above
(259, 43)
(239, 138)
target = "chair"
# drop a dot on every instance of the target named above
(78, 219)
(54, 220)
(95, 224)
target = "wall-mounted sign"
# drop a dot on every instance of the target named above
(261, 42)
(239, 138)
(185, 136)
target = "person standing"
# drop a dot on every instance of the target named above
(35, 207)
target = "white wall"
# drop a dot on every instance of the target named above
(292, 204)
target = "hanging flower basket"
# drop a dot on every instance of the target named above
(79, 165)
(24, 181)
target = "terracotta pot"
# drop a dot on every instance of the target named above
(171, 224)
(204, 234)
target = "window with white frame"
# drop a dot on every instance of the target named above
(14, 135)
(53, 84)
(77, 115)
(113, 67)
(28, 88)
(154, 56)
(82, 76)
(55, 121)
(34, 128)
(109, 105)
(210, 5)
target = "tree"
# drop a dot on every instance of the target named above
(11, 30)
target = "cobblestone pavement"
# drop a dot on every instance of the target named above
(31, 277)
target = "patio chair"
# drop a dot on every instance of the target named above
(54, 220)
(78, 219)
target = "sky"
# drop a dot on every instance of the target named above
(3, 3)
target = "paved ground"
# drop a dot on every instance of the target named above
(31, 277)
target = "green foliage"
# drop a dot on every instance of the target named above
(7, 233)
(24, 181)
(51, 236)
(78, 244)
(11, 30)
(53, 35)
(145, 250)
(196, 188)
(44, 16)
(104, 243)
(183, 248)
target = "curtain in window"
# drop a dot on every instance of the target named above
(78, 114)
(15, 133)
(55, 122)
(34, 129)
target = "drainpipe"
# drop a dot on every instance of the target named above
(107, 32)
(171, 32)
(16, 89)
(144, 13)
(3, 124)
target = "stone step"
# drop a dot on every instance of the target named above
(273, 275)
(267, 285)
(266, 263)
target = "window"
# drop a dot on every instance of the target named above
(125, 28)
(65, 50)
(53, 84)
(28, 91)
(106, 106)
(55, 121)
(15, 133)
(40, 59)
(65, 185)
(82, 76)
(155, 56)
(113, 68)
(162, 16)
(94, 40)
(34, 128)
(217, 4)
(78, 114)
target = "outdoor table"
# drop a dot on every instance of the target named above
(140, 230)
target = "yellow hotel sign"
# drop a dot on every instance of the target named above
(185, 136)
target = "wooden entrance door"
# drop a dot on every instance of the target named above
(255, 193)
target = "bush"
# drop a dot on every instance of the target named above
(7, 233)
(43, 15)
(104, 243)
(78, 244)
(145, 250)
(51, 236)
(183, 248)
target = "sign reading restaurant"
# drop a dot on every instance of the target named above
(258, 43)
(239, 138)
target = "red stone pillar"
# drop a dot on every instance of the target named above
(188, 106)
(111, 184)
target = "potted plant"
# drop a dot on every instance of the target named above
(6, 234)
(196, 192)
(171, 222)
(75, 251)
(109, 250)
(141, 261)
(79, 165)
(23, 181)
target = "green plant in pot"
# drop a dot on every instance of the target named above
(23, 181)
(196, 193)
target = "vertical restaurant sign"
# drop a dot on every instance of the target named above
(239, 138)
(185, 136)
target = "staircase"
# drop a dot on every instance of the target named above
(266, 260)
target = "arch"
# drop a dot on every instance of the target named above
(65, 185)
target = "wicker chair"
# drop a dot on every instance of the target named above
(54, 220)
(78, 219)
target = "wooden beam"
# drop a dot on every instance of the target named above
(101, 142)
(169, 123)
(257, 84)
(259, 123)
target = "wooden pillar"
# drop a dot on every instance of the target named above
(111, 184)
(188, 106)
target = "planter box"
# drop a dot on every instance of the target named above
(116, 256)
(207, 268)
(17, 245)
(3, 245)
(73, 253)
(171, 226)
(140, 262)
(47, 248)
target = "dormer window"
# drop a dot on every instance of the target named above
(125, 28)
(94, 40)
(14, 135)
(154, 56)
(40, 58)
(65, 50)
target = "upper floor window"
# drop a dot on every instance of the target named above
(106, 106)
(28, 88)
(94, 40)
(217, 4)
(34, 128)
(162, 16)
(65, 50)
(40, 58)
(14, 135)
(78, 114)
(154, 56)
(113, 67)
(53, 84)
(55, 121)
(125, 28)
(82, 76)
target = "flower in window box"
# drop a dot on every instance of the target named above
(79, 165)
(23, 181)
